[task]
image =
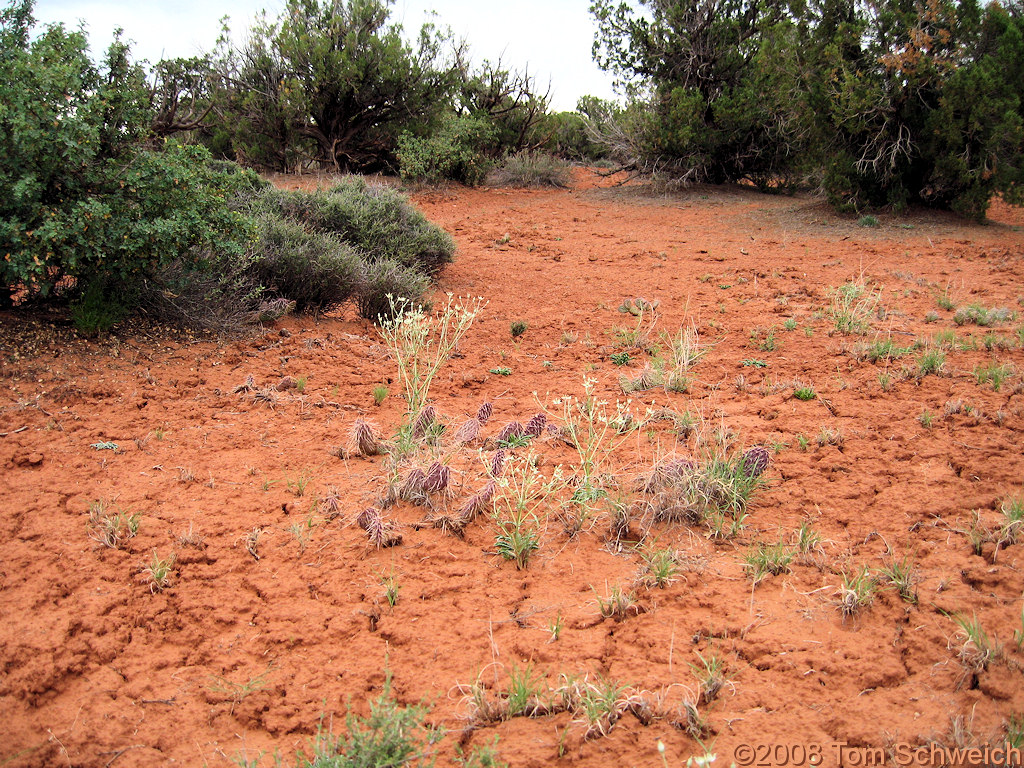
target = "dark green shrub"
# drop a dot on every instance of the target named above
(81, 196)
(568, 138)
(455, 151)
(722, 104)
(335, 80)
(531, 169)
(880, 104)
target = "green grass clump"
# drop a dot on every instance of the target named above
(804, 393)
(857, 591)
(112, 527)
(882, 349)
(977, 314)
(852, 306)
(767, 560)
(932, 361)
(993, 374)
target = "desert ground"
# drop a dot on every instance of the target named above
(251, 610)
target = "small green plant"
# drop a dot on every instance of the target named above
(480, 756)
(524, 688)
(112, 528)
(885, 381)
(722, 526)
(234, 692)
(881, 349)
(807, 539)
(621, 358)
(975, 650)
(750, 363)
(945, 301)
(300, 384)
(618, 604)
(927, 418)
(902, 577)
(790, 324)
(299, 484)
(993, 341)
(517, 538)
(301, 533)
(601, 704)
(1015, 731)
(829, 436)
(518, 328)
(391, 588)
(852, 306)
(380, 392)
(857, 591)
(710, 673)
(660, 567)
(765, 344)
(767, 560)
(639, 336)
(1011, 530)
(804, 393)
(993, 374)
(391, 735)
(803, 442)
(867, 221)
(159, 572)
(932, 361)
(555, 627)
(502, 371)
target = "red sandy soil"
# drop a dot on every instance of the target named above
(241, 656)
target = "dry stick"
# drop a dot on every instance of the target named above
(14, 432)
(671, 646)
(118, 752)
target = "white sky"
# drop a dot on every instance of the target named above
(552, 37)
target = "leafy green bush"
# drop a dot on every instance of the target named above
(456, 151)
(531, 169)
(335, 80)
(568, 138)
(81, 196)
(880, 104)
